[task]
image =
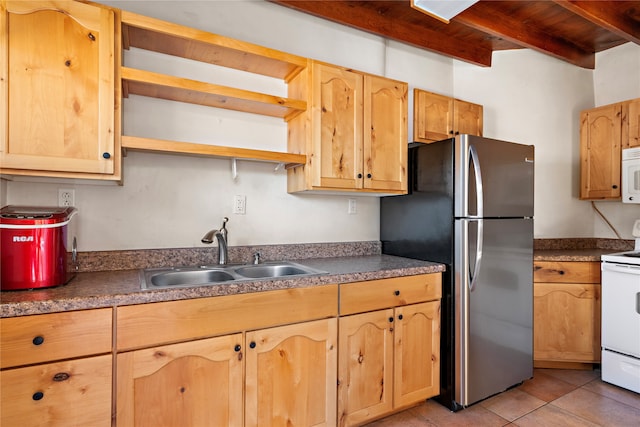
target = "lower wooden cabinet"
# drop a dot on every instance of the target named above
(69, 393)
(388, 358)
(290, 375)
(195, 383)
(566, 310)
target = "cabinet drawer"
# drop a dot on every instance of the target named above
(70, 393)
(566, 272)
(377, 294)
(165, 322)
(48, 337)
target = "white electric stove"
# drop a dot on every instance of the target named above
(621, 318)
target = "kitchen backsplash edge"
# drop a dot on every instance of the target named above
(150, 258)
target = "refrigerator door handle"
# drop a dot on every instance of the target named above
(479, 243)
(478, 176)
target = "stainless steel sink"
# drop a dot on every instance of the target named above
(175, 277)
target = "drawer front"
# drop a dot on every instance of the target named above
(566, 272)
(385, 293)
(147, 325)
(49, 337)
(70, 393)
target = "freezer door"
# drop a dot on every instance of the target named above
(493, 291)
(493, 179)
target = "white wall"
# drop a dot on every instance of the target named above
(171, 201)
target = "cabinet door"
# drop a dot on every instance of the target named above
(567, 322)
(417, 353)
(365, 369)
(337, 128)
(600, 152)
(196, 383)
(291, 374)
(467, 118)
(70, 393)
(432, 116)
(385, 134)
(634, 123)
(59, 95)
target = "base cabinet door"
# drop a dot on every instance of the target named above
(417, 353)
(66, 394)
(290, 375)
(365, 374)
(196, 383)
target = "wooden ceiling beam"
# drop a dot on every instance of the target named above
(490, 20)
(603, 14)
(368, 17)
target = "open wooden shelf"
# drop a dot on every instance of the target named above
(147, 83)
(175, 147)
(173, 39)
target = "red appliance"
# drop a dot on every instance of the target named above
(35, 245)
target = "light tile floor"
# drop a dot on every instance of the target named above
(554, 397)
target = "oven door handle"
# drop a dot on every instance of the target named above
(621, 268)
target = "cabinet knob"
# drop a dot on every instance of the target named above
(359, 175)
(615, 187)
(106, 155)
(252, 344)
(37, 395)
(451, 132)
(396, 292)
(368, 175)
(400, 316)
(390, 319)
(457, 133)
(38, 340)
(237, 347)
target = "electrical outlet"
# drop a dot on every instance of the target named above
(352, 208)
(240, 204)
(66, 197)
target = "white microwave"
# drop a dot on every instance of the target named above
(631, 175)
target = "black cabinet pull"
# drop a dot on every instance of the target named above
(400, 317)
(106, 155)
(237, 347)
(396, 293)
(614, 186)
(359, 175)
(252, 344)
(38, 340)
(368, 175)
(390, 319)
(37, 395)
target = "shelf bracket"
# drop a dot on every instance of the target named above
(279, 166)
(234, 169)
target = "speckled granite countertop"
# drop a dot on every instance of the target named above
(590, 249)
(122, 287)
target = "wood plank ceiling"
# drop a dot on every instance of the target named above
(571, 30)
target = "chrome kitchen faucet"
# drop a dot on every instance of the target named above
(221, 236)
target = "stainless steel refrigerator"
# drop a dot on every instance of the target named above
(470, 206)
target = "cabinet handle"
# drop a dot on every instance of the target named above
(38, 340)
(400, 316)
(91, 37)
(451, 132)
(359, 175)
(368, 175)
(615, 187)
(106, 155)
(237, 347)
(457, 133)
(252, 344)
(396, 292)
(37, 395)
(390, 319)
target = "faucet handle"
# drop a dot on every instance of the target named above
(256, 258)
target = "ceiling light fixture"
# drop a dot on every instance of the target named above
(442, 10)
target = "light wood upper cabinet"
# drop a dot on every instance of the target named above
(59, 96)
(634, 124)
(566, 307)
(437, 117)
(354, 134)
(291, 375)
(602, 132)
(195, 383)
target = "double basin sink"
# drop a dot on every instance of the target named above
(175, 277)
